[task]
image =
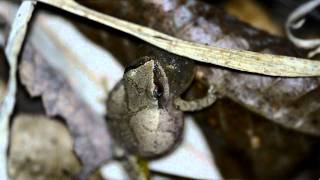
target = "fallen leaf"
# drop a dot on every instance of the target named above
(247, 146)
(52, 79)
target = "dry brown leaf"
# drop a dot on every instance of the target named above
(246, 146)
(92, 142)
(252, 12)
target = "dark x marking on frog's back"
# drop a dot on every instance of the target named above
(145, 111)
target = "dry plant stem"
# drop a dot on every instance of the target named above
(248, 61)
(12, 50)
(294, 21)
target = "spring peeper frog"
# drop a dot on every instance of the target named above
(143, 115)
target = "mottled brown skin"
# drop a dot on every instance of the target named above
(141, 113)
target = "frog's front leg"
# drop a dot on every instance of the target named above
(201, 103)
(197, 104)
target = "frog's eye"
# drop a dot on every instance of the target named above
(158, 90)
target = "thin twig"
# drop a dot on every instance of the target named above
(248, 61)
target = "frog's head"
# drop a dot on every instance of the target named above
(155, 123)
(146, 85)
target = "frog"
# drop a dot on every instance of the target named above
(145, 108)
